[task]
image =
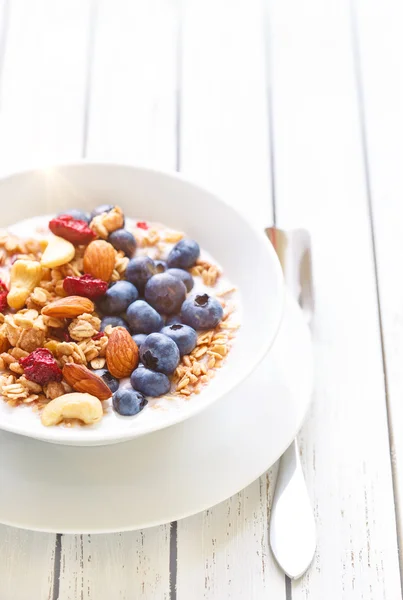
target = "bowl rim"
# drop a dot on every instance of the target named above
(50, 434)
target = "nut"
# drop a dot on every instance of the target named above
(68, 308)
(84, 407)
(122, 353)
(83, 380)
(58, 252)
(24, 277)
(99, 260)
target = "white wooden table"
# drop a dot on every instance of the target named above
(293, 110)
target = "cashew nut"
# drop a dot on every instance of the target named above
(58, 252)
(84, 407)
(24, 277)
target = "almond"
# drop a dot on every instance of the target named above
(122, 353)
(68, 308)
(83, 380)
(99, 259)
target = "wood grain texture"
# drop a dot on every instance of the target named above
(380, 48)
(321, 185)
(26, 564)
(124, 566)
(224, 552)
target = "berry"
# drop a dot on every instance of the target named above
(75, 231)
(142, 225)
(41, 367)
(165, 293)
(150, 383)
(139, 271)
(128, 402)
(173, 320)
(160, 266)
(114, 321)
(159, 353)
(3, 296)
(111, 382)
(142, 318)
(103, 208)
(184, 276)
(184, 337)
(184, 254)
(117, 298)
(202, 311)
(78, 215)
(86, 285)
(121, 239)
(139, 338)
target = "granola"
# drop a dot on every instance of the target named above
(70, 335)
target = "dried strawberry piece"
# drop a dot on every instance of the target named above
(142, 225)
(3, 296)
(41, 367)
(98, 336)
(86, 285)
(73, 230)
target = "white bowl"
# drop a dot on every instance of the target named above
(246, 255)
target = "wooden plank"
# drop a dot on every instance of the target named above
(132, 99)
(43, 83)
(125, 565)
(131, 118)
(26, 564)
(224, 552)
(380, 48)
(41, 107)
(320, 183)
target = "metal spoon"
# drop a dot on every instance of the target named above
(292, 524)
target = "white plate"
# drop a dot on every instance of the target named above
(171, 473)
(245, 254)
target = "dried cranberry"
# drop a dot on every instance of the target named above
(73, 230)
(3, 296)
(142, 225)
(41, 367)
(86, 285)
(98, 336)
(61, 334)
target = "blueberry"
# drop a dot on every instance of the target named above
(139, 271)
(80, 215)
(117, 298)
(184, 254)
(139, 338)
(114, 321)
(173, 320)
(103, 208)
(160, 266)
(201, 311)
(165, 293)
(121, 239)
(128, 402)
(184, 276)
(184, 337)
(160, 353)
(142, 318)
(111, 382)
(150, 383)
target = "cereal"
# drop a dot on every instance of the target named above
(48, 272)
